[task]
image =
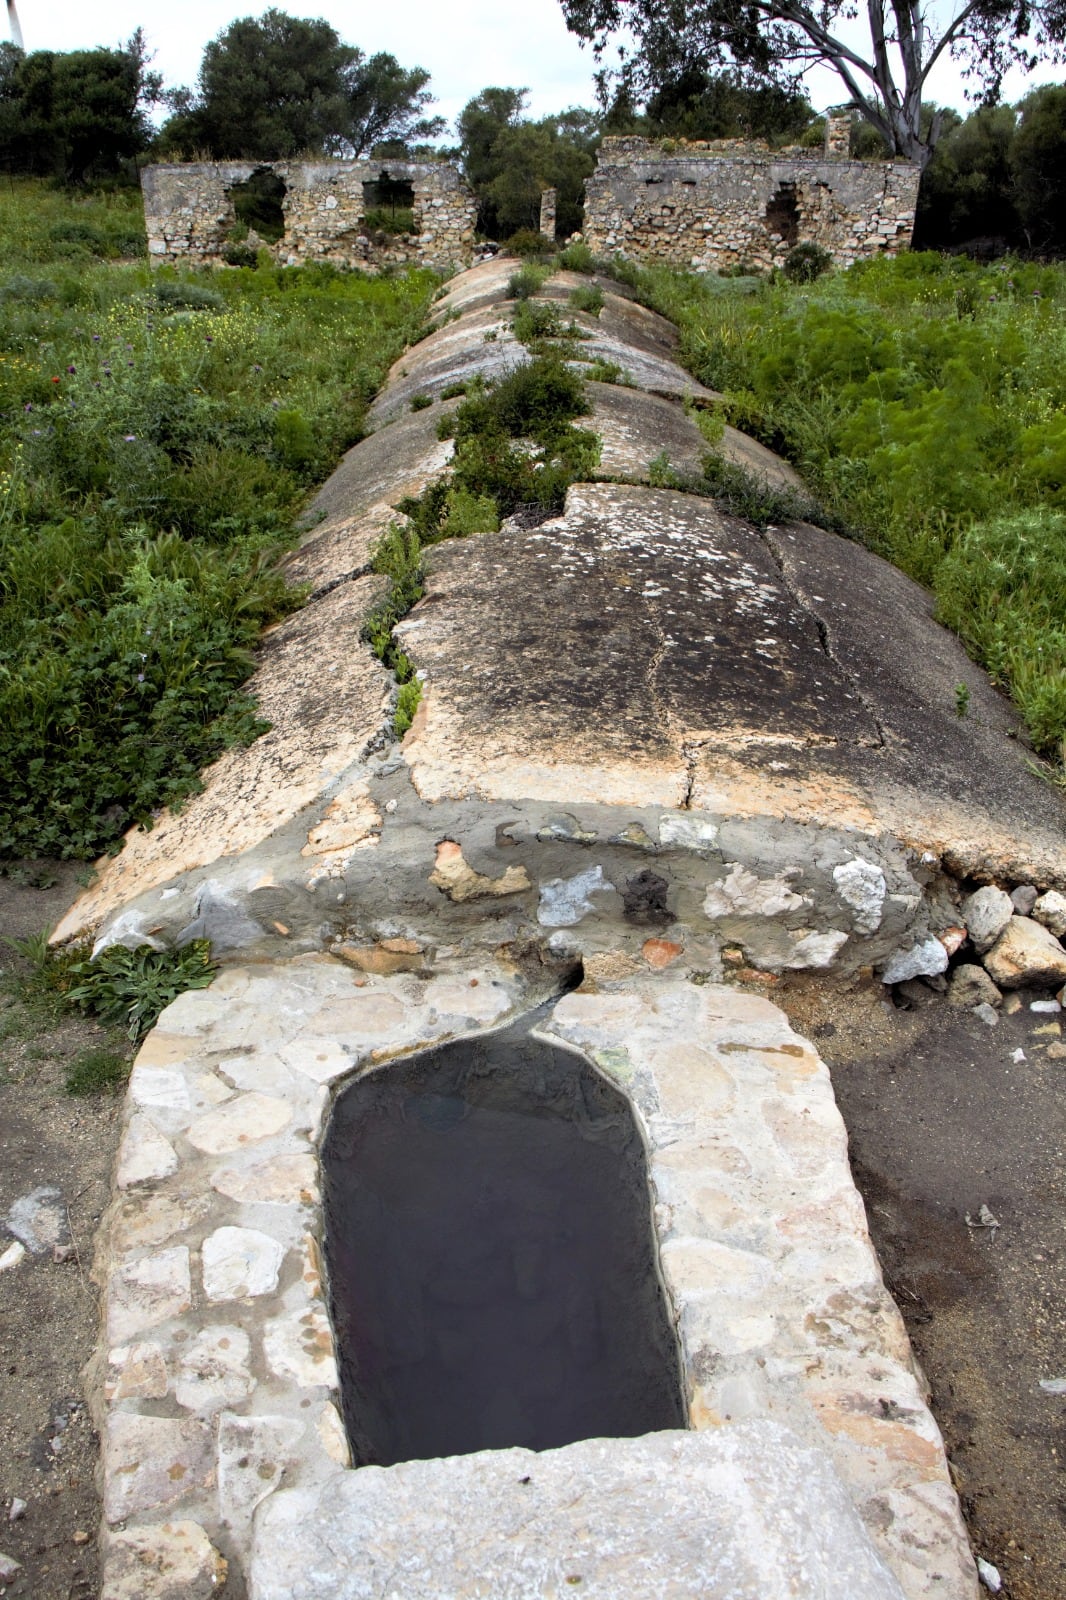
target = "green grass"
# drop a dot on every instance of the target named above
(97, 1071)
(924, 401)
(161, 433)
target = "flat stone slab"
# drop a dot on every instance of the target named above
(636, 429)
(745, 1513)
(481, 344)
(645, 648)
(609, 640)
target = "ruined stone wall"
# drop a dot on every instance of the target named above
(710, 207)
(190, 215)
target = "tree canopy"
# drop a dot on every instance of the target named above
(775, 41)
(74, 115)
(509, 159)
(274, 86)
(698, 104)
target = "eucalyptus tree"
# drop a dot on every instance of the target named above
(885, 75)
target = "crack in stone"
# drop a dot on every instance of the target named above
(356, 573)
(824, 639)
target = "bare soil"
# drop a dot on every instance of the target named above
(941, 1120)
(48, 1307)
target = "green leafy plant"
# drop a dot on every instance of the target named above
(577, 257)
(587, 298)
(421, 402)
(526, 281)
(805, 262)
(962, 699)
(530, 243)
(132, 987)
(162, 431)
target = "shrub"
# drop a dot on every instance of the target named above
(181, 294)
(240, 255)
(526, 281)
(589, 298)
(577, 257)
(805, 262)
(527, 242)
(421, 402)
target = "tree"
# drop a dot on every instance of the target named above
(274, 86)
(387, 105)
(269, 87)
(509, 160)
(967, 190)
(1038, 166)
(775, 41)
(75, 115)
(697, 104)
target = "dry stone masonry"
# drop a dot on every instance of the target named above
(712, 207)
(190, 215)
(660, 752)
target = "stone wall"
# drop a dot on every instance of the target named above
(189, 213)
(710, 207)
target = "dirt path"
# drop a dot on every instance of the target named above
(48, 1306)
(941, 1121)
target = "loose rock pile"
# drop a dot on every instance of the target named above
(1016, 938)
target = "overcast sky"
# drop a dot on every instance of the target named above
(465, 44)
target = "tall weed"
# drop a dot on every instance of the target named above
(161, 432)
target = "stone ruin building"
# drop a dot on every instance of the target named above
(191, 212)
(712, 207)
(707, 207)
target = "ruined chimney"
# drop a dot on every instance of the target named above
(838, 133)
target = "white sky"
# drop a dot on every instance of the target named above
(465, 44)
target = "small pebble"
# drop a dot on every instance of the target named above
(9, 1568)
(63, 1253)
(989, 1576)
(80, 1537)
(17, 1510)
(1044, 1005)
(11, 1257)
(1053, 1385)
(1024, 898)
(986, 1013)
(1017, 1056)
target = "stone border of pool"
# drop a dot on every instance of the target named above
(216, 1386)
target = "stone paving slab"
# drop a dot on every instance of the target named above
(217, 1381)
(481, 344)
(354, 507)
(745, 1513)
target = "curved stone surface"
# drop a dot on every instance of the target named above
(327, 700)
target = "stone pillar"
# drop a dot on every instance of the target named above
(547, 213)
(838, 133)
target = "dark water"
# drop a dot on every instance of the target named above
(490, 1253)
